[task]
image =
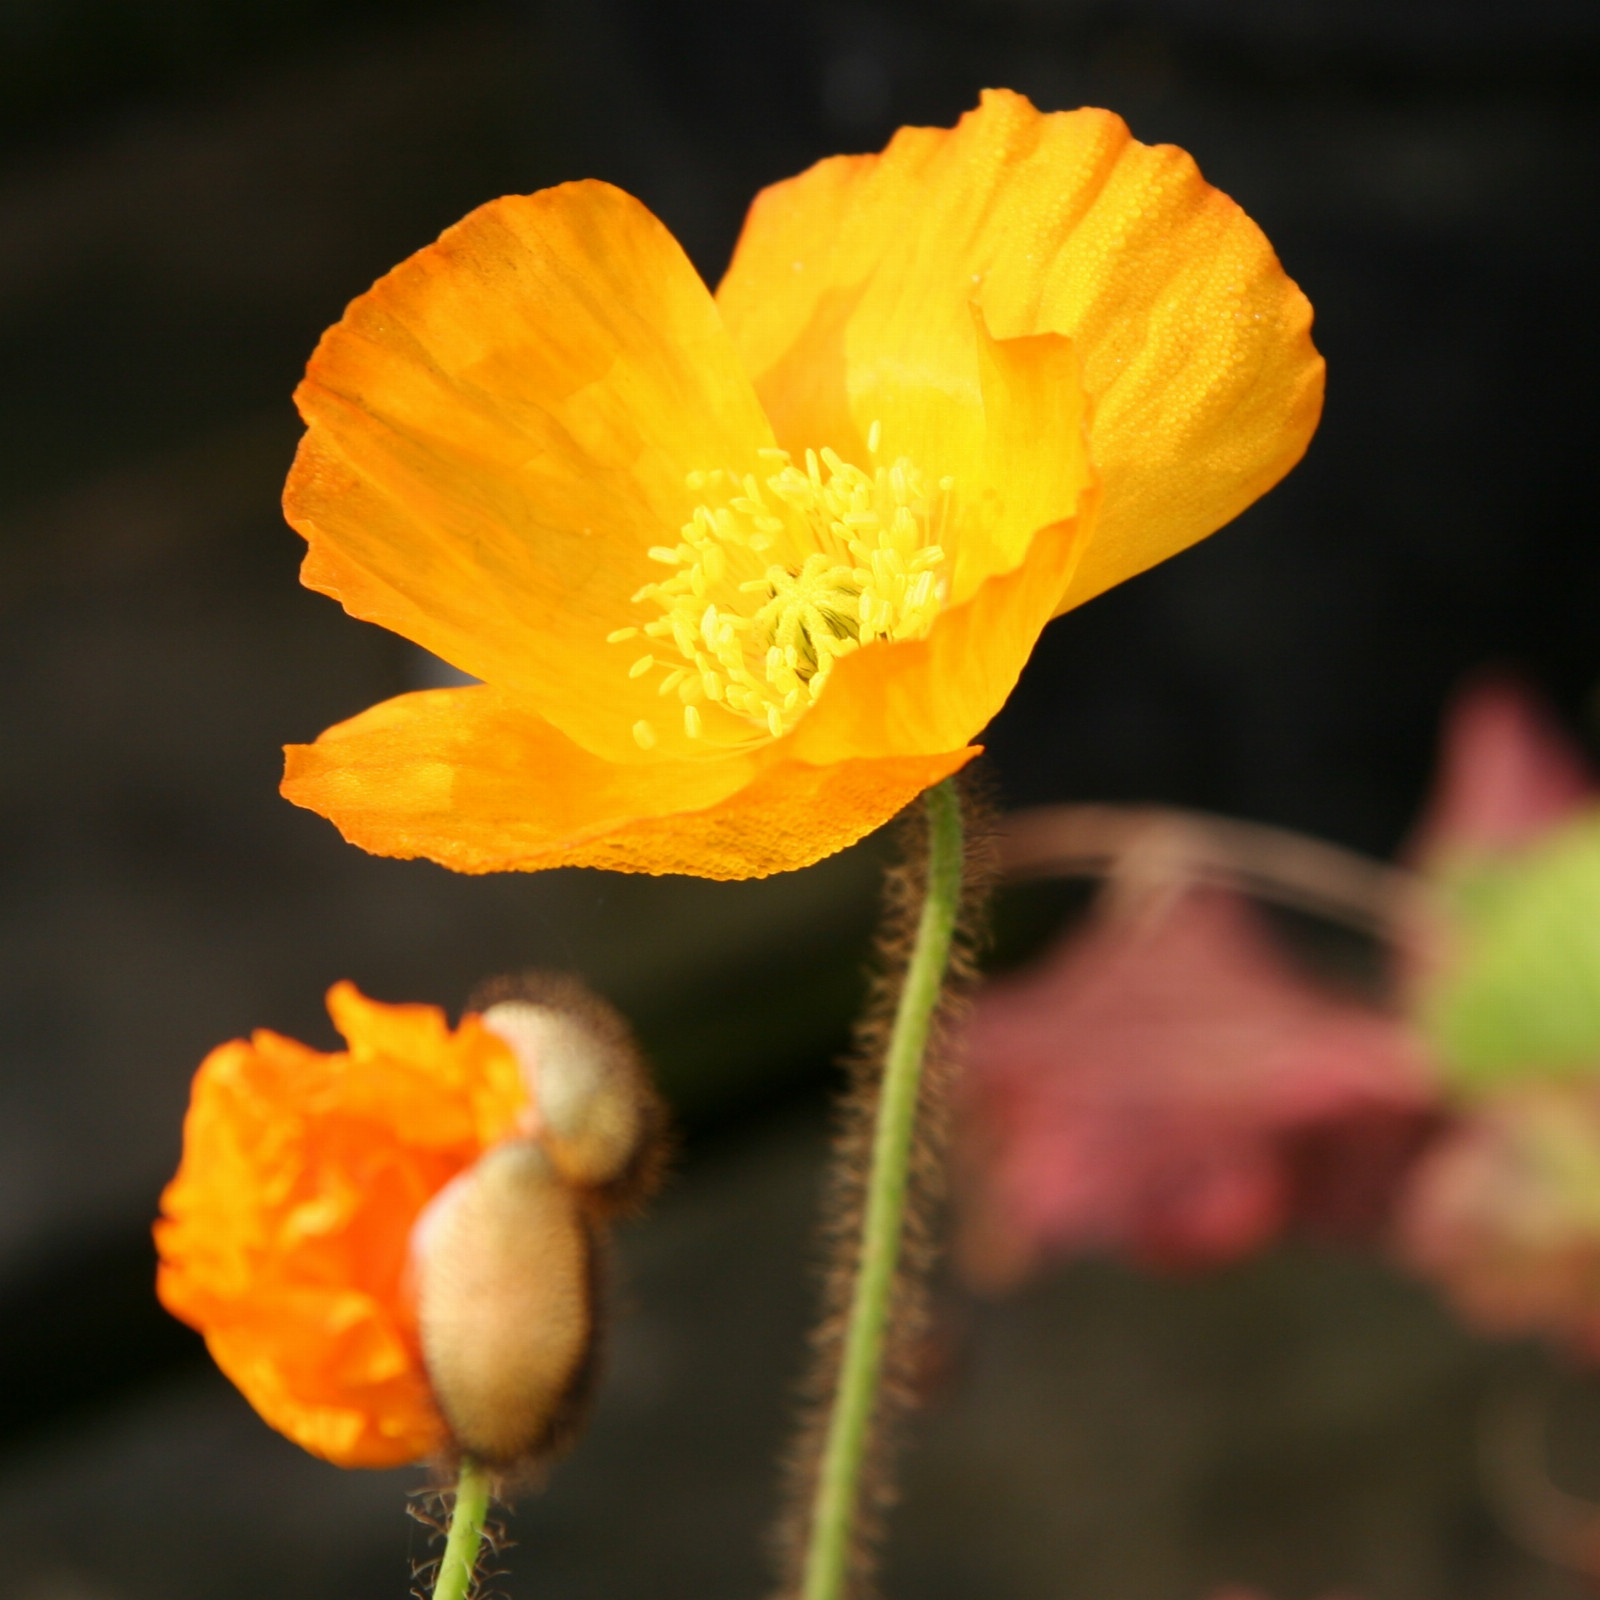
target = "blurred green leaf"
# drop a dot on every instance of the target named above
(1520, 998)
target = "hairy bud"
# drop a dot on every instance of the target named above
(598, 1115)
(503, 1262)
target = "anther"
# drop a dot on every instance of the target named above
(644, 735)
(641, 666)
(764, 645)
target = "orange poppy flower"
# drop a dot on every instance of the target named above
(286, 1233)
(742, 576)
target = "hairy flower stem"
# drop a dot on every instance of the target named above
(466, 1533)
(831, 1542)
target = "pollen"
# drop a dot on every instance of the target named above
(776, 579)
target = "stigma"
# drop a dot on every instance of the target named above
(777, 579)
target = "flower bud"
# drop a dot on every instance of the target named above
(503, 1264)
(598, 1115)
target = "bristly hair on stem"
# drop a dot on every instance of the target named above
(847, 1183)
(433, 1507)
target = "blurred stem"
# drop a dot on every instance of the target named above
(1176, 848)
(849, 1434)
(466, 1533)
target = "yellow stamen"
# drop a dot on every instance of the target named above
(779, 578)
(644, 735)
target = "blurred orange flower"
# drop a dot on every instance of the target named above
(742, 576)
(285, 1234)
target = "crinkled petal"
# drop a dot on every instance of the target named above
(1195, 345)
(285, 1235)
(477, 782)
(500, 430)
(386, 1421)
(436, 1087)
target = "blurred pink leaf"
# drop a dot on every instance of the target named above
(1168, 1086)
(1507, 773)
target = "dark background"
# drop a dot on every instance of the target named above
(190, 190)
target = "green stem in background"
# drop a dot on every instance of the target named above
(849, 1433)
(466, 1533)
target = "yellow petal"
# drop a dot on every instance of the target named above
(1035, 461)
(1195, 346)
(1016, 556)
(914, 698)
(471, 779)
(1015, 448)
(501, 429)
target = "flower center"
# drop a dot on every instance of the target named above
(761, 636)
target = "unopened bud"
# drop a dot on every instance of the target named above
(598, 1114)
(503, 1261)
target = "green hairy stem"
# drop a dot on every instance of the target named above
(850, 1424)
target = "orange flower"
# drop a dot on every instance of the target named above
(742, 576)
(285, 1235)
